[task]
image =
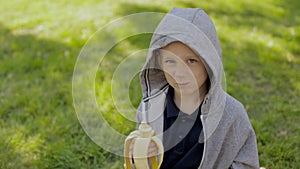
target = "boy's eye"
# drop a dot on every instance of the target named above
(192, 61)
(169, 61)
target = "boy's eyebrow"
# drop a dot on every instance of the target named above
(194, 56)
(166, 54)
(171, 55)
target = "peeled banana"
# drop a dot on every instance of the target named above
(136, 149)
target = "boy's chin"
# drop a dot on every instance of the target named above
(188, 91)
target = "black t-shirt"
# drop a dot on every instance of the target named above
(181, 137)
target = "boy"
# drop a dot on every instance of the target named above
(200, 125)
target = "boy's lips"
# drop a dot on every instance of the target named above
(182, 84)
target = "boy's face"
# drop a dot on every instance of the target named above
(183, 69)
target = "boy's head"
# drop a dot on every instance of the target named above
(183, 69)
(188, 35)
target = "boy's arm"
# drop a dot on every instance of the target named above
(247, 158)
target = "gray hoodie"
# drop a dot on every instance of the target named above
(229, 139)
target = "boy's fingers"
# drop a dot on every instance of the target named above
(151, 154)
(152, 150)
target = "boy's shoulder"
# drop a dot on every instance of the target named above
(235, 108)
(232, 104)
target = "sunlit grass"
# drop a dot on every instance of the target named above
(40, 41)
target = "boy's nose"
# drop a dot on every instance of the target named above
(179, 73)
(181, 70)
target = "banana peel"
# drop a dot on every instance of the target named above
(136, 156)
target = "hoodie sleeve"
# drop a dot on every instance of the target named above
(247, 158)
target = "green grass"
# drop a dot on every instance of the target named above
(40, 42)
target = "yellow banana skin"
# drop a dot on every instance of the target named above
(137, 156)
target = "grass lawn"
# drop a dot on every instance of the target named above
(41, 40)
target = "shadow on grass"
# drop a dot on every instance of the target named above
(39, 128)
(33, 70)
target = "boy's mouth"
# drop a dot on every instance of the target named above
(182, 84)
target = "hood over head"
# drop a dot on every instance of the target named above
(194, 28)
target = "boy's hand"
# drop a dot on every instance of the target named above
(152, 150)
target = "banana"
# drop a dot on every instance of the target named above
(136, 156)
